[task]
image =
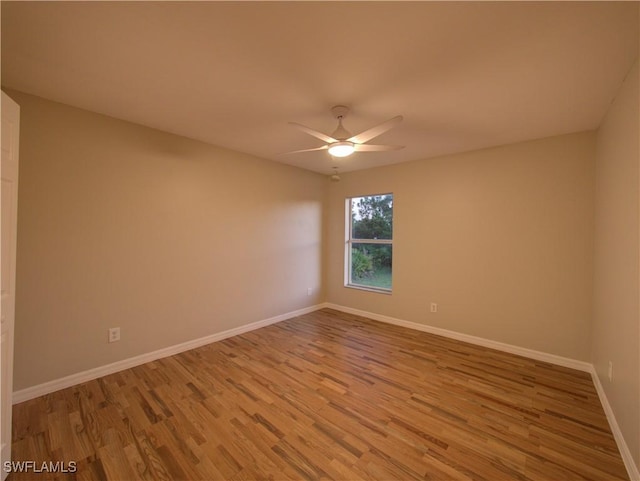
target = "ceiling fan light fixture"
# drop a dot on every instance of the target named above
(342, 149)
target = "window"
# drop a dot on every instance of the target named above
(369, 244)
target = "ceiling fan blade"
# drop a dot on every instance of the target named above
(315, 133)
(324, 147)
(380, 129)
(376, 148)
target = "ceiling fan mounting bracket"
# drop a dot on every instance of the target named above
(340, 111)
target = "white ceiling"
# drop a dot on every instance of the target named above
(465, 75)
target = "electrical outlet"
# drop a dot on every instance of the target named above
(309, 291)
(114, 334)
(434, 307)
(610, 374)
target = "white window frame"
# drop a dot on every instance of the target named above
(349, 241)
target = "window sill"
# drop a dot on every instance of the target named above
(369, 288)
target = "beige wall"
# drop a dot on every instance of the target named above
(616, 327)
(168, 238)
(500, 238)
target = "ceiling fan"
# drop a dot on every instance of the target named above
(342, 144)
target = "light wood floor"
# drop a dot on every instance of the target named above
(326, 396)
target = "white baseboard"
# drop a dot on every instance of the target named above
(480, 341)
(84, 376)
(632, 469)
(630, 465)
